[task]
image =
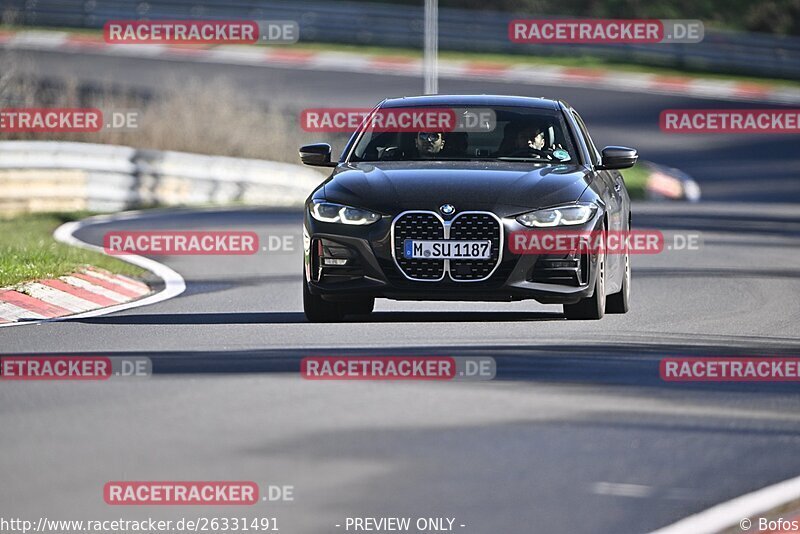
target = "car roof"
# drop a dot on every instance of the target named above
(471, 100)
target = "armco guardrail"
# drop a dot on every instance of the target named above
(55, 176)
(402, 25)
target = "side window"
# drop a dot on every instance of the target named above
(593, 153)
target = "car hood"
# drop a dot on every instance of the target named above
(503, 187)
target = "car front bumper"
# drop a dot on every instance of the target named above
(342, 262)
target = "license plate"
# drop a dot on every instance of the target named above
(447, 249)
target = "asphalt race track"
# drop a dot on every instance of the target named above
(577, 433)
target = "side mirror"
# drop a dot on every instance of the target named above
(318, 154)
(618, 157)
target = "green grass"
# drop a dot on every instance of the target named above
(29, 252)
(636, 180)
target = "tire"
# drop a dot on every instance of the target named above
(593, 307)
(358, 306)
(318, 310)
(620, 302)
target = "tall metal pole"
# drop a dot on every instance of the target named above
(431, 60)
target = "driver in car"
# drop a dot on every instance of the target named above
(429, 144)
(530, 137)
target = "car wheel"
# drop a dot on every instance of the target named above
(593, 307)
(318, 310)
(620, 302)
(359, 306)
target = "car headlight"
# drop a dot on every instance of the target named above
(337, 213)
(559, 216)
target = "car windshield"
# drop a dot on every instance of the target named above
(478, 133)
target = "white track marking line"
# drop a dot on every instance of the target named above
(174, 284)
(39, 39)
(617, 489)
(730, 513)
(139, 50)
(225, 55)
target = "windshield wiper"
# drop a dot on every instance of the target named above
(509, 158)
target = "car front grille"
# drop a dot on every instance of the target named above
(418, 225)
(475, 226)
(424, 225)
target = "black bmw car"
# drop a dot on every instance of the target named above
(426, 214)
